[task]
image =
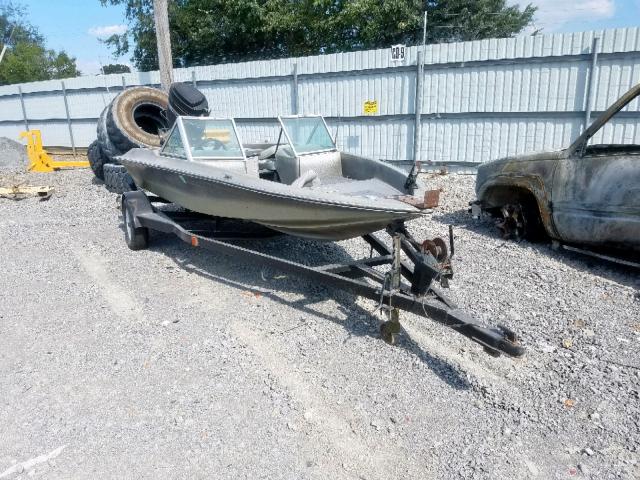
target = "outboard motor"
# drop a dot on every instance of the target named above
(186, 100)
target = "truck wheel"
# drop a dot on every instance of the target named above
(534, 228)
(521, 221)
(96, 159)
(137, 238)
(117, 179)
(136, 118)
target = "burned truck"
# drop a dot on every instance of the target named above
(587, 194)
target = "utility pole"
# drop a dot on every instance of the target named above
(165, 60)
(417, 129)
(4, 49)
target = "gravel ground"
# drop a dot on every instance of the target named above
(175, 363)
(13, 155)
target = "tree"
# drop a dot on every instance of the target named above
(461, 21)
(216, 31)
(27, 59)
(115, 68)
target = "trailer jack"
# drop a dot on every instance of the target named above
(408, 285)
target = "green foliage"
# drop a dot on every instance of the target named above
(216, 31)
(115, 68)
(460, 20)
(27, 59)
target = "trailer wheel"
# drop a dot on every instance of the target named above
(137, 238)
(117, 179)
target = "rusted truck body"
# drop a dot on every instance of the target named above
(585, 194)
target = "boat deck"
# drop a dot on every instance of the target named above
(363, 188)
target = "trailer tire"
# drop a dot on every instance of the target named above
(136, 118)
(96, 159)
(137, 238)
(117, 179)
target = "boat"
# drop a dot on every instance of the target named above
(302, 185)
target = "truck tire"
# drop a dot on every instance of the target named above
(96, 159)
(109, 151)
(135, 118)
(117, 179)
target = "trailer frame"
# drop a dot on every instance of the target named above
(409, 285)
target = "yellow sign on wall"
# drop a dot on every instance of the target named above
(370, 107)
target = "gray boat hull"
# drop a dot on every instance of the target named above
(296, 211)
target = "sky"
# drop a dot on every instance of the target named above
(77, 25)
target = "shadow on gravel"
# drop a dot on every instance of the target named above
(269, 283)
(621, 274)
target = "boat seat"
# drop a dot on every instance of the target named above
(291, 167)
(308, 178)
(267, 165)
(267, 152)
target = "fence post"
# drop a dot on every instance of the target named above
(592, 75)
(24, 110)
(193, 79)
(417, 130)
(66, 108)
(294, 96)
(124, 83)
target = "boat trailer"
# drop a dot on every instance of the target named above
(410, 284)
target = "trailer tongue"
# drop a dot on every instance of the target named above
(409, 285)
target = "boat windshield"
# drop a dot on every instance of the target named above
(211, 138)
(307, 134)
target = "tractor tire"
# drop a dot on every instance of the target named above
(96, 159)
(117, 179)
(136, 118)
(109, 151)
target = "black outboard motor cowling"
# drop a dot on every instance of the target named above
(186, 100)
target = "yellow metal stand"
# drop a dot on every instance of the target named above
(39, 159)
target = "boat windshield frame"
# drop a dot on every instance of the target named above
(179, 124)
(283, 129)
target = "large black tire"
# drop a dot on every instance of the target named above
(109, 151)
(117, 179)
(135, 118)
(96, 159)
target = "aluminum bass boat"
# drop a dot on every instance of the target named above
(302, 185)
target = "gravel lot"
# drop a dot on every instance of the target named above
(175, 363)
